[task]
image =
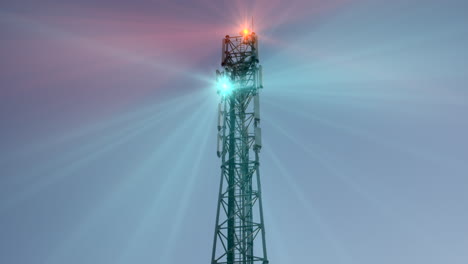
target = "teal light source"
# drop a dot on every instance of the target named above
(225, 87)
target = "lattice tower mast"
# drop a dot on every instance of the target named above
(240, 231)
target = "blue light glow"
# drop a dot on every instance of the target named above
(225, 87)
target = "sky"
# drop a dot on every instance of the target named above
(108, 130)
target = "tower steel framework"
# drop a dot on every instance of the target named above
(239, 236)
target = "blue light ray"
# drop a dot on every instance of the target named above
(127, 185)
(324, 160)
(149, 223)
(180, 217)
(297, 191)
(386, 142)
(93, 152)
(100, 126)
(105, 134)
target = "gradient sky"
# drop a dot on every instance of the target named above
(108, 130)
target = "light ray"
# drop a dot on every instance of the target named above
(123, 136)
(86, 43)
(140, 173)
(180, 216)
(325, 229)
(324, 160)
(388, 143)
(99, 126)
(150, 220)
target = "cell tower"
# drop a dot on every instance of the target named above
(240, 232)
